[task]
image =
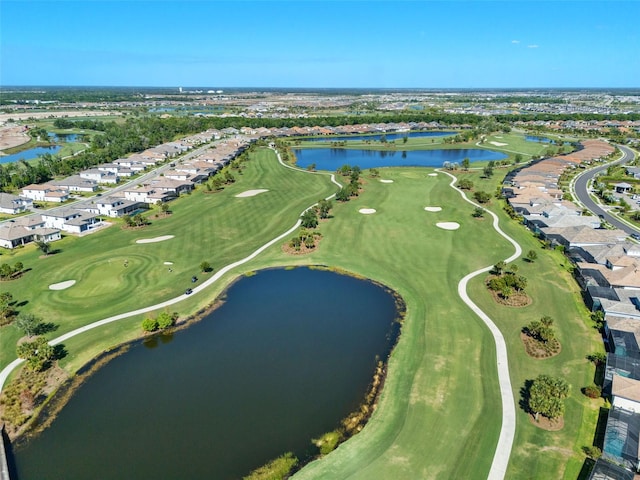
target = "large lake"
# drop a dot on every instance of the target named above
(334, 158)
(389, 136)
(285, 358)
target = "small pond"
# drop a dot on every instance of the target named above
(29, 154)
(287, 356)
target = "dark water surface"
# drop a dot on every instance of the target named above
(289, 355)
(333, 158)
(377, 137)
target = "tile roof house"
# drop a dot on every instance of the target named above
(625, 393)
(12, 204)
(70, 220)
(623, 335)
(15, 233)
(100, 176)
(115, 207)
(583, 235)
(45, 193)
(76, 183)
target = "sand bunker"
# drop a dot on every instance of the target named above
(433, 209)
(367, 211)
(498, 144)
(448, 225)
(386, 181)
(62, 285)
(156, 239)
(433, 174)
(251, 193)
(168, 263)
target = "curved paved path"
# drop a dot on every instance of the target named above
(508, 429)
(4, 374)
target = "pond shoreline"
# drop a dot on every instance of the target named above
(65, 391)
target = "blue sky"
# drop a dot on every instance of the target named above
(360, 44)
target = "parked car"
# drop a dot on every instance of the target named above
(636, 236)
(188, 291)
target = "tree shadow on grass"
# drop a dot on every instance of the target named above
(46, 327)
(59, 351)
(524, 396)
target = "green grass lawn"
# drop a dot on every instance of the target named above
(218, 228)
(439, 413)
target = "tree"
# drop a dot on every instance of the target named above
(6, 307)
(28, 323)
(488, 171)
(466, 163)
(149, 324)
(478, 212)
(309, 219)
(498, 268)
(532, 255)
(139, 220)
(324, 207)
(166, 320)
(482, 197)
(38, 353)
(343, 195)
(465, 184)
(205, 267)
(546, 396)
(6, 271)
(542, 329)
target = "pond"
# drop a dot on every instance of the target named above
(287, 356)
(333, 158)
(63, 137)
(29, 154)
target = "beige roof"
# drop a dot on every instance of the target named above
(625, 387)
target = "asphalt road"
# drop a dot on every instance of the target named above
(581, 191)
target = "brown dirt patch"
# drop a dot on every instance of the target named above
(538, 349)
(551, 425)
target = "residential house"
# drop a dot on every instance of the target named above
(582, 235)
(76, 183)
(622, 334)
(149, 195)
(625, 393)
(13, 204)
(45, 193)
(621, 438)
(100, 176)
(70, 220)
(21, 231)
(176, 187)
(115, 207)
(604, 470)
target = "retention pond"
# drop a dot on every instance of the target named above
(288, 355)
